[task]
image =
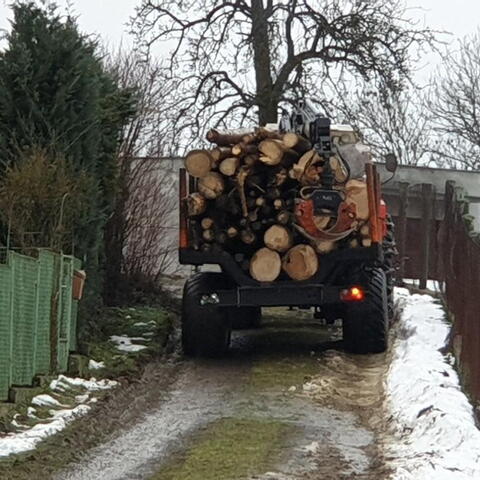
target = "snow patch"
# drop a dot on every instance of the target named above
(28, 440)
(312, 448)
(63, 383)
(433, 425)
(125, 344)
(31, 412)
(60, 415)
(93, 365)
(82, 398)
(45, 400)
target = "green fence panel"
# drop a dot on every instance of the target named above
(38, 317)
(46, 283)
(5, 330)
(25, 277)
(64, 311)
(77, 265)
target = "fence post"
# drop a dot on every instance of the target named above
(427, 206)
(401, 228)
(37, 320)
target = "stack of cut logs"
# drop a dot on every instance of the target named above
(246, 189)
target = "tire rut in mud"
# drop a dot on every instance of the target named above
(287, 402)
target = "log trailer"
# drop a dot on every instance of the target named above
(348, 275)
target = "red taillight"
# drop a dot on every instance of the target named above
(352, 294)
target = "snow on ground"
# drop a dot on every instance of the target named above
(27, 440)
(62, 383)
(45, 400)
(93, 365)
(433, 428)
(27, 437)
(125, 343)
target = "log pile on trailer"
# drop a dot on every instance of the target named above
(250, 198)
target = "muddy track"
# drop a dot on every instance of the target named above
(287, 403)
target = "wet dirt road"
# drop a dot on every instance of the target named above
(287, 403)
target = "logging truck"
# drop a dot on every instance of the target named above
(293, 216)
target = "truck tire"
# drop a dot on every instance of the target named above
(365, 324)
(206, 329)
(244, 318)
(390, 254)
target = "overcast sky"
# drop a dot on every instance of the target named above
(108, 18)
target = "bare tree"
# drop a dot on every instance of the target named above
(136, 243)
(239, 59)
(455, 105)
(150, 227)
(396, 121)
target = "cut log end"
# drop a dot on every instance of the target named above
(196, 204)
(229, 166)
(198, 163)
(211, 185)
(300, 262)
(206, 223)
(265, 265)
(296, 142)
(278, 238)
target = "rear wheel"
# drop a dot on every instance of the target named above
(389, 259)
(365, 324)
(206, 329)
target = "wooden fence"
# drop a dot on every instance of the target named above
(459, 270)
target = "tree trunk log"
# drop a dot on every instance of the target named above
(272, 151)
(211, 185)
(265, 265)
(280, 177)
(226, 138)
(241, 178)
(220, 153)
(296, 142)
(196, 204)
(248, 237)
(366, 242)
(284, 217)
(208, 235)
(278, 238)
(242, 149)
(198, 163)
(306, 170)
(339, 170)
(325, 246)
(356, 192)
(365, 230)
(229, 166)
(300, 262)
(232, 232)
(206, 223)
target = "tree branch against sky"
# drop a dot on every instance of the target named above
(396, 122)
(455, 105)
(238, 61)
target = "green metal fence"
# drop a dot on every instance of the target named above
(38, 317)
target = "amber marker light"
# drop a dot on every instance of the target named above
(352, 294)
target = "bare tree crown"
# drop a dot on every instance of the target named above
(455, 105)
(238, 61)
